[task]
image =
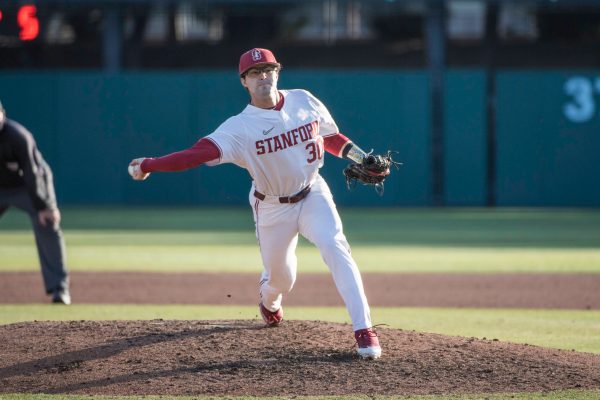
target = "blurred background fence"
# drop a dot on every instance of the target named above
(488, 102)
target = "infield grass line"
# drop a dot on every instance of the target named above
(577, 330)
(390, 240)
(554, 395)
(123, 252)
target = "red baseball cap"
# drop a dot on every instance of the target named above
(256, 56)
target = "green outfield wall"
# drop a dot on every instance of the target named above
(548, 138)
(465, 141)
(89, 125)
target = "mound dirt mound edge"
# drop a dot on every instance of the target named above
(296, 358)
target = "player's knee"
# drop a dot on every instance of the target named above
(43, 230)
(48, 230)
(333, 244)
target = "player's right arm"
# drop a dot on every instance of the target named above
(203, 151)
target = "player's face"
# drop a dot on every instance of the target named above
(261, 81)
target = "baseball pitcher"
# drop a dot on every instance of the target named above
(280, 138)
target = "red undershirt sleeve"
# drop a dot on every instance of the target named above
(203, 151)
(335, 144)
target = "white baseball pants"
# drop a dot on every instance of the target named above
(316, 218)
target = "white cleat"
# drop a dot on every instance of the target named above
(369, 353)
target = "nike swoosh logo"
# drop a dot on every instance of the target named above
(269, 131)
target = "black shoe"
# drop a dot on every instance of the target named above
(61, 296)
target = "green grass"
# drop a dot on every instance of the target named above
(384, 240)
(557, 395)
(569, 228)
(562, 329)
(392, 240)
(194, 252)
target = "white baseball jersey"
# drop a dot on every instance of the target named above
(282, 150)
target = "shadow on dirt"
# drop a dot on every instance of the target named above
(297, 358)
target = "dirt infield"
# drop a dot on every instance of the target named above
(435, 290)
(245, 358)
(297, 358)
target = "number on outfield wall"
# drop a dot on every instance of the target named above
(581, 106)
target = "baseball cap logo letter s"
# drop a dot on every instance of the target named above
(256, 55)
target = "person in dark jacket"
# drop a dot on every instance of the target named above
(26, 183)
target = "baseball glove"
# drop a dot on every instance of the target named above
(373, 170)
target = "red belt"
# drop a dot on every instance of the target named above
(289, 199)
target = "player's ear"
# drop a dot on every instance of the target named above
(243, 81)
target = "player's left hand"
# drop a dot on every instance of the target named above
(49, 216)
(373, 170)
(135, 169)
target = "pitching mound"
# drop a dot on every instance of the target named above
(245, 358)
